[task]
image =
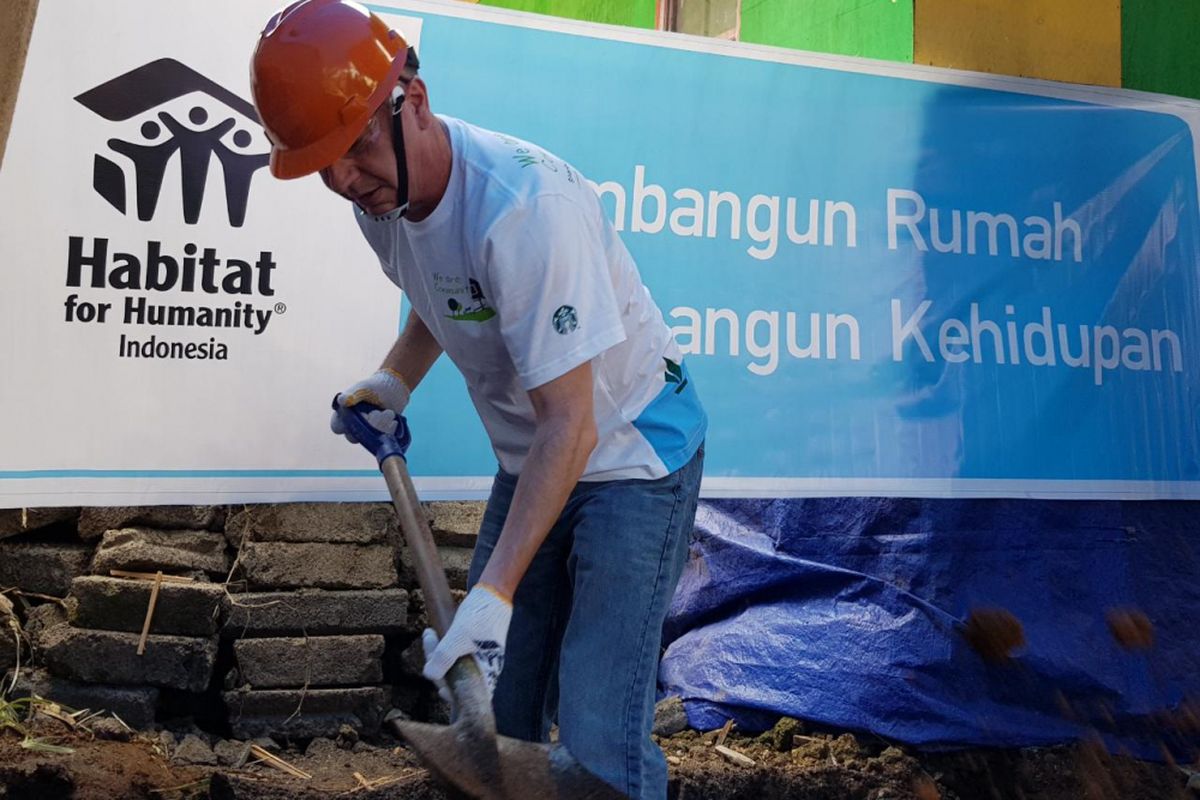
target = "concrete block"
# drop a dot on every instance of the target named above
(232, 753)
(10, 646)
(146, 550)
(109, 730)
(411, 696)
(457, 563)
(412, 659)
(44, 568)
(14, 521)
(304, 714)
(172, 662)
(95, 522)
(418, 618)
(455, 560)
(42, 618)
(315, 612)
(669, 717)
(455, 523)
(134, 705)
(342, 523)
(311, 661)
(194, 751)
(115, 604)
(285, 565)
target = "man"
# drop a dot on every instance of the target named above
(513, 271)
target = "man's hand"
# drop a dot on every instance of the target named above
(385, 390)
(480, 628)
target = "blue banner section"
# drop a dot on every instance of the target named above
(879, 275)
(945, 623)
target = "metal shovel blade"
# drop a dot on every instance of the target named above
(539, 771)
(469, 756)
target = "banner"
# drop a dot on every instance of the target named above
(889, 280)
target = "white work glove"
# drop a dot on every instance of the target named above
(480, 628)
(384, 389)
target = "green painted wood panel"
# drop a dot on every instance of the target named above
(634, 13)
(871, 28)
(1159, 49)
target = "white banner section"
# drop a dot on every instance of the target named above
(175, 321)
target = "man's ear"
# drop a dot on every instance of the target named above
(416, 95)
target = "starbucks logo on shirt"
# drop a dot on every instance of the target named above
(565, 319)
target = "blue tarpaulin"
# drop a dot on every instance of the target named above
(850, 613)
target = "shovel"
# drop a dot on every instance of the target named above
(467, 755)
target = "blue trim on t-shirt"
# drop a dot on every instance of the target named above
(674, 423)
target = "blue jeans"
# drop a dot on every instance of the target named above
(586, 631)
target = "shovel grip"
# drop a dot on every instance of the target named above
(431, 576)
(379, 444)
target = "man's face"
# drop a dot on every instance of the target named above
(366, 175)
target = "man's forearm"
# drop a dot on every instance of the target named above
(557, 458)
(413, 353)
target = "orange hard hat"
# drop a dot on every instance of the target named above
(320, 70)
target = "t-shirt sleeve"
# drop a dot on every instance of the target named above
(552, 287)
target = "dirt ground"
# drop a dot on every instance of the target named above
(817, 767)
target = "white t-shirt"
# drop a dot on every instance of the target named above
(520, 277)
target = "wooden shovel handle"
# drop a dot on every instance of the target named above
(430, 574)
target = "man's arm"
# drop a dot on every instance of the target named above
(413, 353)
(563, 442)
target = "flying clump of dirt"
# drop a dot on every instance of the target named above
(1132, 629)
(994, 633)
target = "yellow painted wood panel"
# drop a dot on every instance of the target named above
(16, 22)
(1078, 41)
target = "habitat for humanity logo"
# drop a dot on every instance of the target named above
(218, 123)
(171, 298)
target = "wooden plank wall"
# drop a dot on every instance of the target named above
(634, 13)
(16, 23)
(1140, 44)
(870, 28)
(1160, 46)
(1078, 41)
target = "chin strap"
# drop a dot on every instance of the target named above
(398, 146)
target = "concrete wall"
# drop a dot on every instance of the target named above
(873, 29)
(286, 605)
(16, 23)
